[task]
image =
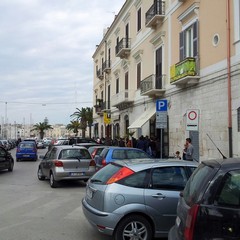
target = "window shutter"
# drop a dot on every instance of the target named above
(195, 39)
(138, 75)
(181, 45)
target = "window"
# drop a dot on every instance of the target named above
(117, 85)
(188, 40)
(136, 180)
(238, 119)
(126, 81)
(229, 194)
(168, 178)
(139, 19)
(236, 20)
(138, 75)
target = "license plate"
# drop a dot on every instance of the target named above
(89, 193)
(25, 155)
(77, 174)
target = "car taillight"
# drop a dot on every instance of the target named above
(190, 222)
(92, 164)
(58, 163)
(104, 163)
(122, 173)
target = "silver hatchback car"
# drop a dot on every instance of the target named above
(66, 163)
(136, 199)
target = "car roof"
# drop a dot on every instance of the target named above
(228, 163)
(60, 147)
(139, 164)
(123, 148)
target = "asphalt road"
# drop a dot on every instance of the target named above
(31, 210)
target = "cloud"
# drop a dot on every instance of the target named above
(46, 56)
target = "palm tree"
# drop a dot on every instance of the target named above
(41, 127)
(74, 126)
(85, 116)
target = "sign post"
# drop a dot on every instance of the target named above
(161, 119)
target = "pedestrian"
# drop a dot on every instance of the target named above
(177, 155)
(190, 150)
(184, 150)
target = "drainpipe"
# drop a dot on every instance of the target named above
(229, 80)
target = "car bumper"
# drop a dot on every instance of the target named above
(104, 222)
(61, 174)
(26, 156)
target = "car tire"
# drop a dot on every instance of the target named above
(17, 159)
(10, 169)
(129, 227)
(40, 174)
(52, 181)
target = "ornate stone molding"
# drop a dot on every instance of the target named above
(138, 55)
(192, 10)
(158, 39)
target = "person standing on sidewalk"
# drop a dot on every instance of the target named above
(189, 151)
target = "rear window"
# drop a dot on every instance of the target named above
(74, 153)
(26, 145)
(197, 183)
(104, 174)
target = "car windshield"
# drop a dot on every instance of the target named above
(74, 153)
(104, 174)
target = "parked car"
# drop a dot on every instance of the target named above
(111, 154)
(96, 150)
(209, 206)
(6, 160)
(66, 163)
(88, 145)
(77, 140)
(40, 145)
(26, 150)
(136, 199)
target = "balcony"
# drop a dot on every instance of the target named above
(106, 106)
(123, 48)
(122, 100)
(106, 67)
(155, 14)
(152, 86)
(100, 74)
(184, 72)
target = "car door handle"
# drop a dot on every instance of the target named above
(158, 195)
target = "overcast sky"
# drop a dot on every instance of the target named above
(46, 48)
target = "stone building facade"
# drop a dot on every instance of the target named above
(184, 51)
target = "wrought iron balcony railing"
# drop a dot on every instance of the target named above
(155, 14)
(100, 73)
(153, 86)
(106, 67)
(123, 48)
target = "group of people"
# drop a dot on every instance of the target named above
(188, 150)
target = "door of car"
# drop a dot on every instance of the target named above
(47, 161)
(3, 159)
(221, 217)
(162, 195)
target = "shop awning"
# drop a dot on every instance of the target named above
(143, 118)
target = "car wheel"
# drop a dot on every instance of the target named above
(40, 174)
(10, 169)
(17, 159)
(53, 182)
(133, 227)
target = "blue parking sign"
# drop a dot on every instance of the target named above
(161, 105)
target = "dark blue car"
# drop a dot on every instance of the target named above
(26, 150)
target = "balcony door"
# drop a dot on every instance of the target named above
(158, 83)
(127, 34)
